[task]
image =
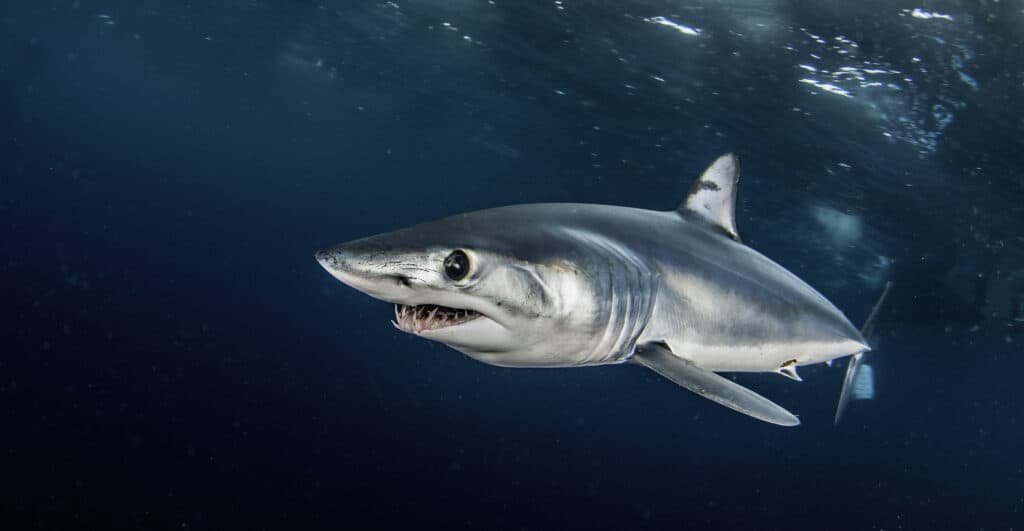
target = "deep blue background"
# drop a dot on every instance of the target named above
(172, 356)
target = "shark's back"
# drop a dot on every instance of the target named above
(727, 307)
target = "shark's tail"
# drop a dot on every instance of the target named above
(859, 381)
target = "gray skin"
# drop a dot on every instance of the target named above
(565, 284)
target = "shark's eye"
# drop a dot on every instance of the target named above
(456, 265)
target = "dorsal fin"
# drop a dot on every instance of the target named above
(713, 196)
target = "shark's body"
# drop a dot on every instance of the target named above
(565, 284)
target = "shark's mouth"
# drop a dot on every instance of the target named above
(417, 319)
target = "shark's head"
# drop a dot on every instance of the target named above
(485, 283)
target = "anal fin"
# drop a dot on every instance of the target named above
(712, 386)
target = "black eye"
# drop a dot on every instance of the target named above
(456, 265)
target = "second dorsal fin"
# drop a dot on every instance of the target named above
(713, 196)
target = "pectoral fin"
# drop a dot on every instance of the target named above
(712, 386)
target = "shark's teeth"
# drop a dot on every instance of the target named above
(426, 317)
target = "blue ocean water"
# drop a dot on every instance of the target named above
(173, 357)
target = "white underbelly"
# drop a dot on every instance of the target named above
(765, 357)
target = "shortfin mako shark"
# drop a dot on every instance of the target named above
(568, 284)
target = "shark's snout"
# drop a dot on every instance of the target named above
(322, 258)
(347, 257)
(367, 266)
(334, 260)
(338, 261)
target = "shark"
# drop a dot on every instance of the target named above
(574, 284)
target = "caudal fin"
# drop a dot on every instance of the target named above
(858, 382)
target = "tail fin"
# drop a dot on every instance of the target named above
(856, 360)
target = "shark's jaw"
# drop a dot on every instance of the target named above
(469, 324)
(422, 318)
(471, 332)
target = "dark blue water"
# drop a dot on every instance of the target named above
(174, 358)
